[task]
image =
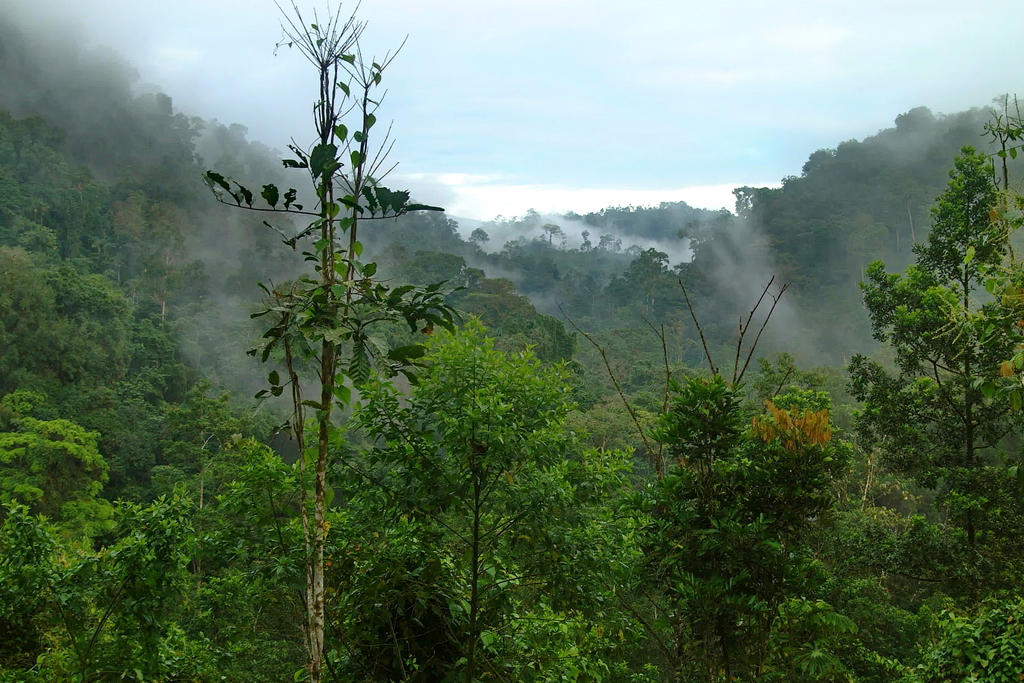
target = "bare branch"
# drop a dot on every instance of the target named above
(753, 347)
(615, 381)
(700, 331)
(659, 463)
(744, 328)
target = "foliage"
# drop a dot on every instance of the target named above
(104, 613)
(728, 521)
(984, 647)
(53, 466)
(930, 420)
(495, 527)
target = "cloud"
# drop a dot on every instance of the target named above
(486, 196)
(593, 94)
(174, 58)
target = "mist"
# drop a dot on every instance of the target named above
(532, 227)
(852, 203)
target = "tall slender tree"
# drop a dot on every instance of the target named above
(929, 418)
(321, 324)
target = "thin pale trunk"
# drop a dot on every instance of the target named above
(328, 370)
(474, 597)
(868, 480)
(298, 428)
(316, 607)
(913, 233)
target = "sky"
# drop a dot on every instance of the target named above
(500, 106)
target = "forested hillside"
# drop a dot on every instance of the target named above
(263, 434)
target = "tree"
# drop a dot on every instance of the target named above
(26, 568)
(726, 542)
(479, 237)
(609, 242)
(646, 272)
(929, 419)
(434, 266)
(106, 613)
(81, 321)
(552, 231)
(1005, 280)
(321, 325)
(496, 525)
(52, 466)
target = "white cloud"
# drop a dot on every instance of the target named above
(174, 58)
(560, 104)
(483, 197)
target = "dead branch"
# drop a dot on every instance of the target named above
(660, 333)
(753, 347)
(611, 374)
(700, 331)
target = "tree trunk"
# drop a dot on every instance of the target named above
(474, 575)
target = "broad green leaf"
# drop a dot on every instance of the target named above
(289, 199)
(217, 179)
(322, 160)
(270, 195)
(245, 193)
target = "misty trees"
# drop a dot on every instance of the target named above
(929, 420)
(479, 237)
(552, 230)
(84, 350)
(610, 242)
(646, 272)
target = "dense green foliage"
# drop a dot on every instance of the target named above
(554, 489)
